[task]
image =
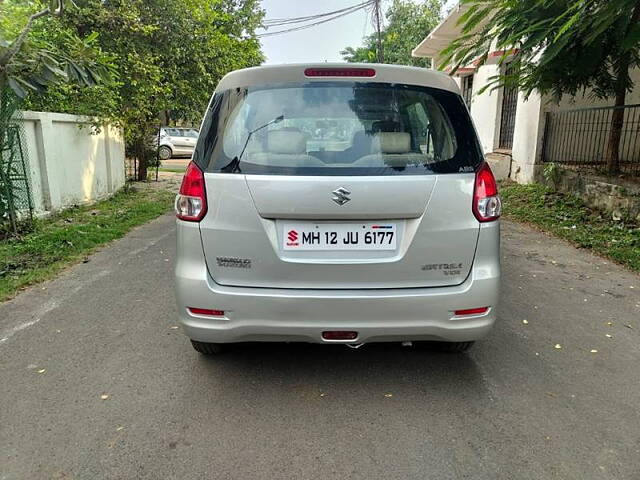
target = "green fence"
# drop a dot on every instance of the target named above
(15, 194)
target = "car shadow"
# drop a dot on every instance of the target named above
(316, 369)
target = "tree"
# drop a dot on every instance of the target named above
(561, 47)
(29, 62)
(168, 56)
(407, 24)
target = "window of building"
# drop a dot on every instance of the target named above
(467, 89)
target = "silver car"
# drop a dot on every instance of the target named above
(337, 204)
(177, 142)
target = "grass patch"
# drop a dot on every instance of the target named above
(568, 217)
(172, 170)
(54, 243)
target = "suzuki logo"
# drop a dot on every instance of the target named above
(341, 196)
(292, 235)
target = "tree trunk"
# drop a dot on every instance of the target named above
(141, 156)
(617, 121)
(621, 70)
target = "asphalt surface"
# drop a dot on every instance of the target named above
(96, 383)
(176, 162)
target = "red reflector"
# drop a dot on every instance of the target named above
(206, 311)
(340, 72)
(471, 311)
(339, 335)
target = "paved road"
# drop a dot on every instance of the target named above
(176, 163)
(515, 407)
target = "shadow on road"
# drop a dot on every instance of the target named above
(317, 368)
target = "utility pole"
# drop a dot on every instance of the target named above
(376, 19)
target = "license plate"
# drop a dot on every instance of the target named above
(339, 236)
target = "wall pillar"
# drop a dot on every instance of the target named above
(527, 138)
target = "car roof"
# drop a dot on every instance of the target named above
(294, 73)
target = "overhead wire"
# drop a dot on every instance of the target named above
(325, 17)
(290, 20)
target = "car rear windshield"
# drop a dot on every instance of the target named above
(339, 128)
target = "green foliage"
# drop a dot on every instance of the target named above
(31, 61)
(407, 23)
(567, 217)
(50, 245)
(168, 56)
(564, 46)
(550, 172)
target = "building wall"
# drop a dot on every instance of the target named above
(530, 123)
(585, 100)
(67, 163)
(485, 108)
(583, 135)
(527, 138)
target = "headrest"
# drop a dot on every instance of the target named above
(286, 142)
(385, 126)
(392, 142)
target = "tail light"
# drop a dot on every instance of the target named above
(486, 202)
(191, 201)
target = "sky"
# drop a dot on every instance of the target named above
(322, 42)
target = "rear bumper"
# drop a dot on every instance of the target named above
(261, 314)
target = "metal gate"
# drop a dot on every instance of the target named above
(508, 115)
(15, 194)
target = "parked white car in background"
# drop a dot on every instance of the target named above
(337, 204)
(177, 142)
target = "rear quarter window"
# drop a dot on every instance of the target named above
(337, 128)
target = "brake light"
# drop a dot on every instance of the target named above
(486, 201)
(191, 201)
(340, 72)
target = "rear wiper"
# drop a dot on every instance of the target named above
(234, 165)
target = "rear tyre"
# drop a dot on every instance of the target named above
(164, 152)
(448, 347)
(208, 348)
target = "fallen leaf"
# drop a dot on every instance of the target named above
(610, 324)
(174, 327)
(593, 350)
(42, 370)
(629, 326)
(388, 395)
(608, 336)
(551, 394)
(104, 396)
(119, 429)
(322, 394)
(526, 322)
(558, 346)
